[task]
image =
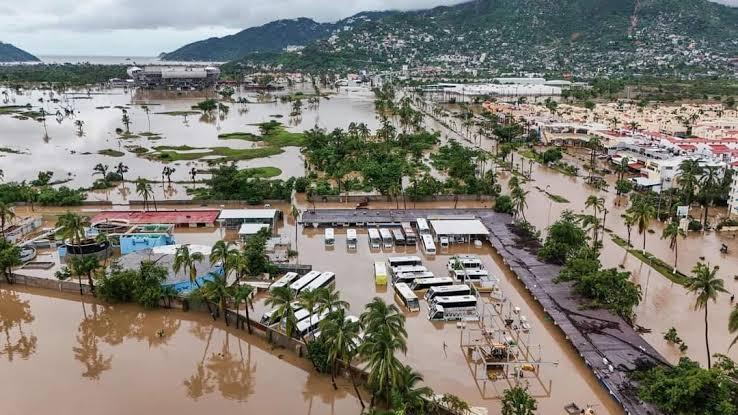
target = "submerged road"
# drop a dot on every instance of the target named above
(610, 347)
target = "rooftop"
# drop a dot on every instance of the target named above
(247, 214)
(176, 217)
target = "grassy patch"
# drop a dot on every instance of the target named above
(239, 136)
(656, 263)
(265, 172)
(10, 150)
(554, 197)
(149, 134)
(222, 154)
(127, 136)
(178, 113)
(137, 149)
(13, 109)
(277, 137)
(111, 153)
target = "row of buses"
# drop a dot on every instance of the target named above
(313, 280)
(387, 237)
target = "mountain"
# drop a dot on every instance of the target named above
(584, 37)
(271, 37)
(10, 53)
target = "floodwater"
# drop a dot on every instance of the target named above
(62, 355)
(73, 157)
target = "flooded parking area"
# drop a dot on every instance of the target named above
(124, 359)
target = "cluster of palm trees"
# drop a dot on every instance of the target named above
(375, 338)
(592, 221)
(703, 181)
(518, 196)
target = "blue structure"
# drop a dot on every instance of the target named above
(139, 241)
(185, 286)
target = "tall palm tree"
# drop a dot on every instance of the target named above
(242, 293)
(597, 204)
(709, 187)
(330, 300)
(643, 213)
(733, 325)
(72, 227)
(594, 143)
(379, 316)
(146, 109)
(672, 231)
(341, 339)
(379, 348)
(121, 169)
(689, 173)
(6, 216)
(84, 266)
(629, 221)
(224, 253)
(101, 169)
(295, 214)
(216, 290)
(143, 189)
(415, 399)
(281, 300)
(309, 300)
(707, 286)
(518, 196)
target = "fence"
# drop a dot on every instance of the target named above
(57, 285)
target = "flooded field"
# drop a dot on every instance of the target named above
(29, 148)
(107, 358)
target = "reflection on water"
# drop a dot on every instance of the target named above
(14, 312)
(114, 355)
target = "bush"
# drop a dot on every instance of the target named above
(301, 184)
(564, 237)
(142, 286)
(694, 225)
(503, 204)
(318, 354)
(552, 155)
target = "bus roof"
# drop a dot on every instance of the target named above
(322, 280)
(447, 288)
(329, 232)
(305, 280)
(285, 279)
(380, 267)
(385, 233)
(454, 299)
(373, 233)
(351, 234)
(401, 259)
(405, 291)
(422, 223)
(305, 324)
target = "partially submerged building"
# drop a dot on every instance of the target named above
(177, 77)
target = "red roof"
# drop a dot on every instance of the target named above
(719, 148)
(687, 147)
(175, 217)
(636, 166)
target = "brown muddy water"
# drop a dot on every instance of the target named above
(62, 355)
(63, 151)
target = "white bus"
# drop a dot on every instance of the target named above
(475, 274)
(423, 228)
(399, 237)
(386, 237)
(374, 238)
(284, 280)
(409, 277)
(351, 238)
(426, 283)
(330, 237)
(306, 279)
(428, 245)
(447, 291)
(407, 229)
(407, 297)
(325, 279)
(310, 325)
(460, 307)
(464, 261)
(398, 261)
(266, 318)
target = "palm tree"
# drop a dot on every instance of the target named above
(330, 300)
(309, 300)
(597, 204)
(415, 399)
(6, 216)
(243, 293)
(186, 260)
(295, 214)
(87, 266)
(143, 189)
(193, 175)
(706, 285)
(2, 175)
(101, 169)
(281, 300)
(518, 196)
(629, 221)
(672, 231)
(341, 339)
(517, 401)
(379, 348)
(594, 143)
(216, 290)
(733, 325)
(709, 184)
(121, 169)
(689, 173)
(72, 227)
(168, 172)
(643, 214)
(224, 253)
(379, 316)
(146, 109)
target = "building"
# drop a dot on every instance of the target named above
(234, 218)
(459, 229)
(142, 237)
(179, 77)
(178, 218)
(733, 196)
(249, 230)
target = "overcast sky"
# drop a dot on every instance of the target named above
(148, 27)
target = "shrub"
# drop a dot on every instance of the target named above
(503, 204)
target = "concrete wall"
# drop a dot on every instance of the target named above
(380, 198)
(70, 285)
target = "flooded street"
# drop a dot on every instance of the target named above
(122, 359)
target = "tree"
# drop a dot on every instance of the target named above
(517, 401)
(207, 106)
(518, 196)
(6, 216)
(598, 205)
(594, 143)
(342, 339)
(146, 109)
(309, 301)
(226, 254)
(143, 189)
(281, 300)
(643, 213)
(185, 260)
(709, 187)
(243, 293)
(672, 231)
(126, 120)
(689, 173)
(168, 172)
(9, 257)
(121, 169)
(72, 227)
(733, 325)
(216, 290)
(295, 214)
(564, 237)
(101, 169)
(87, 266)
(629, 221)
(707, 286)
(330, 300)
(413, 399)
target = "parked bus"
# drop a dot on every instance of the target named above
(459, 307)
(428, 245)
(386, 237)
(266, 318)
(325, 279)
(380, 273)
(423, 228)
(475, 274)
(399, 238)
(285, 280)
(310, 325)
(426, 283)
(407, 230)
(351, 238)
(407, 297)
(303, 282)
(398, 261)
(374, 238)
(447, 291)
(464, 261)
(408, 269)
(409, 277)
(330, 237)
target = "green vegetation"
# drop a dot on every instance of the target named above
(62, 74)
(672, 337)
(688, 389)
(179, 113)
(224, 154)
(517, 401)
(564, 238)
(656, 263)
(142, 286)
(555, 198)
(9, 257)
(227, 182)
(111, 153)
(45, 195)
(273, 134)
